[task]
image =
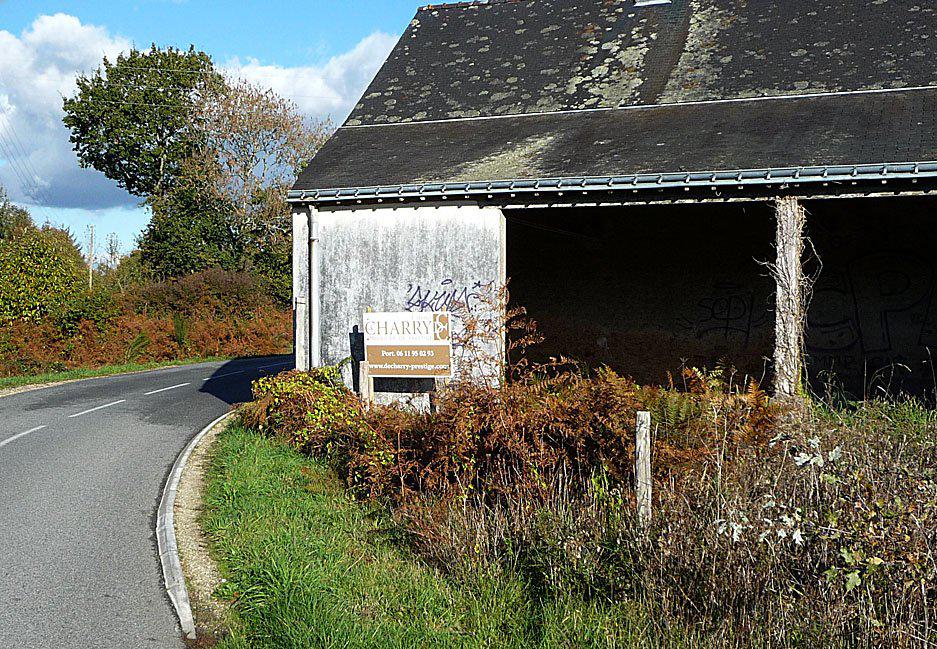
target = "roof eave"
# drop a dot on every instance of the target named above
(638, 183)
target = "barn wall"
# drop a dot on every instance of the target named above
(408, 259)
(873, 319)
(645, 289)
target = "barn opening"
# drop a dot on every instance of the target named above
(872, 326)
(648, 290)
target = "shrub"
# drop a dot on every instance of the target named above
(98, 308)
(806, 528)
(37, 273)
(215, 291)
(29, 348)
(311, 411)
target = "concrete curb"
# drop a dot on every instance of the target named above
(166, 536)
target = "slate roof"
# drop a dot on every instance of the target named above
(514, 90)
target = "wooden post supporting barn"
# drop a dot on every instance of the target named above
(790, 307)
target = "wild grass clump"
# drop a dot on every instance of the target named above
(772, 526)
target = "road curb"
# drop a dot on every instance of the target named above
(166, 536)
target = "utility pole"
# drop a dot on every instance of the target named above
(91, 261)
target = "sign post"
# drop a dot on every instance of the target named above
(408, 345)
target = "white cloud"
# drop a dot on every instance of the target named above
(329, 90)
(37, 69)
(39, 66)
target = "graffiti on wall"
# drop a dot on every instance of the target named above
(446, 295)
(875, 311)
(729, 312)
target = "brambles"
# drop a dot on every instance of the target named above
(815, 530)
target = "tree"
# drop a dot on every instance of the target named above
(131, 119)
(39, 271)
(14, 220)
(189, 233)
(227, 207)
(252, 145)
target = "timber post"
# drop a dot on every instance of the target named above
(366, 382)
(790, 304)
(642, 468)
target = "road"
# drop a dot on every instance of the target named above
(82, 466)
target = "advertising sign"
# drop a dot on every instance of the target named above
(408, 344)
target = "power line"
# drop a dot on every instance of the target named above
(22, 166)
(25, 185)
(138, 103)
(27, 162)
(211, 72)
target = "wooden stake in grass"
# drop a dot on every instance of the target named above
(642, 467)
(365, 382)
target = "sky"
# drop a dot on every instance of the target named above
(319, 53)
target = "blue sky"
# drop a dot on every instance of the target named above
(320, 53)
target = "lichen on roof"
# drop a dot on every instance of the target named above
(511, 57)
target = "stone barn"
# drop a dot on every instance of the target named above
(704, 182)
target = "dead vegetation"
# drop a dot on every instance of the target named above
(814, 528)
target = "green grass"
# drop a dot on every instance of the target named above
(307, 566)
(107, 370)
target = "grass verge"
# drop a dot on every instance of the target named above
(307, 566)
(90, 373)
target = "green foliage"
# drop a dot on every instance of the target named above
(130, 119)
(39, 271)
(129, 274)
(180, 329)
(14, 220)
(305, 566)
(313, 411)
(273, 264)
(189, 233)
(771, 527)
(137, 347)
(97, 307)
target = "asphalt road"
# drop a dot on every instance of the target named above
(82, 466)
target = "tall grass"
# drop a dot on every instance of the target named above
(307, 566)
(785, 528)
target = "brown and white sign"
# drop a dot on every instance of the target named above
(408, 344)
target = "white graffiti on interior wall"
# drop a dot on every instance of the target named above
(446, 296)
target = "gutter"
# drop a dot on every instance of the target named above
(636, 183)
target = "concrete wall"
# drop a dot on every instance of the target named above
(406, 259)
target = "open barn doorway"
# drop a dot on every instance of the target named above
(872, 322)
(648, 289)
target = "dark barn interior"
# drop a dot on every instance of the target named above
(648, 289)
(872, 326)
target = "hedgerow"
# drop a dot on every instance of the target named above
(212, 314)
(36, 276)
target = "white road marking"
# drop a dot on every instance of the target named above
(172, 387)
(223, 375)
(16, 437)
(266, 367)
(106, 405)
